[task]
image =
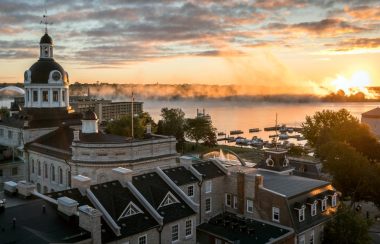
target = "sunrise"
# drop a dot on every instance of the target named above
(186, 121)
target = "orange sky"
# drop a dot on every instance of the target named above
(279, 44)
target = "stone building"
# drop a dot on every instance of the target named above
(372, 119)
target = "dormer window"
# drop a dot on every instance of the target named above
(269, 161)
(301, 211)
(324, 204)
(130, 210)
(168, 200)
(314, 209)
(333, 200)
(301, 214)
(285, 163)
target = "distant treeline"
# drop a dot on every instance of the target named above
(205, 92)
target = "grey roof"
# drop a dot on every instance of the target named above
(373, 113)
(289, 185)
(180, 176)
(35, 226)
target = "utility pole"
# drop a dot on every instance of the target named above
(133, 99)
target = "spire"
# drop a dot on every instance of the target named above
(45, 19)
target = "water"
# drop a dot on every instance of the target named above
(234, 115)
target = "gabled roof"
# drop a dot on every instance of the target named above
(180, 175)
(154, 189)
(208, 169)
(115, 199)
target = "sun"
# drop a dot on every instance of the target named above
(358, 82)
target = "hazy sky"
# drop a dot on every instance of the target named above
(303, 43)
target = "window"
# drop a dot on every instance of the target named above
(275, 214)
(311, 240)
(143, 240)
(235, 202)
(1, 132)
(46, 171)
(249, 206)
(60, 176)
(55, 96)
(1, 172)
(208, 186)
(15, 171)
(35, 96)
(45, 96)
(218, 241)
(333, 200)
(52, 173)
(190, 191)
(175, 234)
(63, 95)
(189, 228)
(314, 209)
(301, 240)
(10, 134)
(208, 205)
(130, 210)
(228, 200)
(301, 214)
(324, 203)
(39, 168)
(33, 166)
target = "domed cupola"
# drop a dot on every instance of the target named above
(90, 122)
(46, 39)
(46, 82)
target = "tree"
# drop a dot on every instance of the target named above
(123, 126)
(341, 126)
(347, 227)
(349, 168)
(172, 124)
(201, 129)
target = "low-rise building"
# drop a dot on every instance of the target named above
(372, 119)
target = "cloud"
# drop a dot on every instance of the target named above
(325, 27)
(356, 43)
(364, 12)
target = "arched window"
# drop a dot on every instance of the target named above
(39, 187)
(32, 166)
(60, 175)
(39, 167)
(46, 171)
(52, 169)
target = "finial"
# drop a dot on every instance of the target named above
(45, 19)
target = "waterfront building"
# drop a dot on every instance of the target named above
(372, 119)
(105, 109)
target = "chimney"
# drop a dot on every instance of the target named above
(81, 182)
(67, 206)
(76, 135)
(89, 219)
(259, 182)
(25, 189)
(186, 161)
(123, 175)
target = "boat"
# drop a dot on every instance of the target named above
(257, 142)
(230, 139)
(283, 129)
(273, 136)
(283, 136)
(254, 130)
(221, 134)
(290, 130)
(236, 132)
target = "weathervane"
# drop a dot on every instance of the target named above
(45, 19)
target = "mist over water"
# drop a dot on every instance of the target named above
(243, 115)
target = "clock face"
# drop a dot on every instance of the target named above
(56, 76)
(26, 76)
